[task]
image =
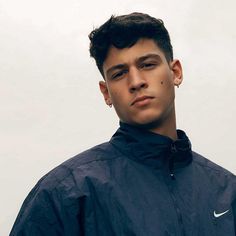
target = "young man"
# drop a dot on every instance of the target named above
(146, 180)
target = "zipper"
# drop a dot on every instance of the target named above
(170, 186)
(173, 150)
(178, 213)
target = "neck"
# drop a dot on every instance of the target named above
(169, 132)
(167, 127)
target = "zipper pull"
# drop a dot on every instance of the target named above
(171, 161)
(173, 148)
(172, 176)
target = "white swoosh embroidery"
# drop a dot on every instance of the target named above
(219, 214)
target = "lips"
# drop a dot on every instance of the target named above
(141, 99)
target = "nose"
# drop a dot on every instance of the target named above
(136, 80)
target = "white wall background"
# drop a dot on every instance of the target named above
(50, 105)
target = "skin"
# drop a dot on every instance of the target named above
(139, 83)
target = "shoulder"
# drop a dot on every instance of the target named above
(206, 163)
(213, 170)
(79, 165)
(66, 183)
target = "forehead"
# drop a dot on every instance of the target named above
(128, 56)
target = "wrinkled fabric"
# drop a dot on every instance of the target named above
(139, 183)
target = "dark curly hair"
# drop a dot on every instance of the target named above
(124, 31)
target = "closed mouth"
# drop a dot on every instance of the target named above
(141, 98)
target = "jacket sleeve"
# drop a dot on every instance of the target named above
(234, 214)
(44, 212)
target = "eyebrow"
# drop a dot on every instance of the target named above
(116, 67)
(149, 56)
(137, 61)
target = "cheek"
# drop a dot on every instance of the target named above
(165, 88)
(115, 97)
(113, 92)
(118, 93)
(120, 102)
(161, 77)
(165, 80)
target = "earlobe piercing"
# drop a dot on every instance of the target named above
(108, 102)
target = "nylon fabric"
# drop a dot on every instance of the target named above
(125, 187)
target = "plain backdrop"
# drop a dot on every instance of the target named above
(50, 105)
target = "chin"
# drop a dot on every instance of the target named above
(149, 118)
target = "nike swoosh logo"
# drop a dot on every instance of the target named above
(219, 214)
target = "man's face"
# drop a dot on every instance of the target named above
(139, 83)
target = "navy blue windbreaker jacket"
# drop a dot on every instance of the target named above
(137, 184)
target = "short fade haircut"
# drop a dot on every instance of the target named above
(124, 31)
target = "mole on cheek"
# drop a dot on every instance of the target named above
(162, 82)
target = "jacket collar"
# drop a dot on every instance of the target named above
(152, 149)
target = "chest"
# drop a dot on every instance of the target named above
(151, 203)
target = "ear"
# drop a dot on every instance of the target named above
(105, 92)
(176, 68)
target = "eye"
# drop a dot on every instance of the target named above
(119, 74)
(147, 65)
